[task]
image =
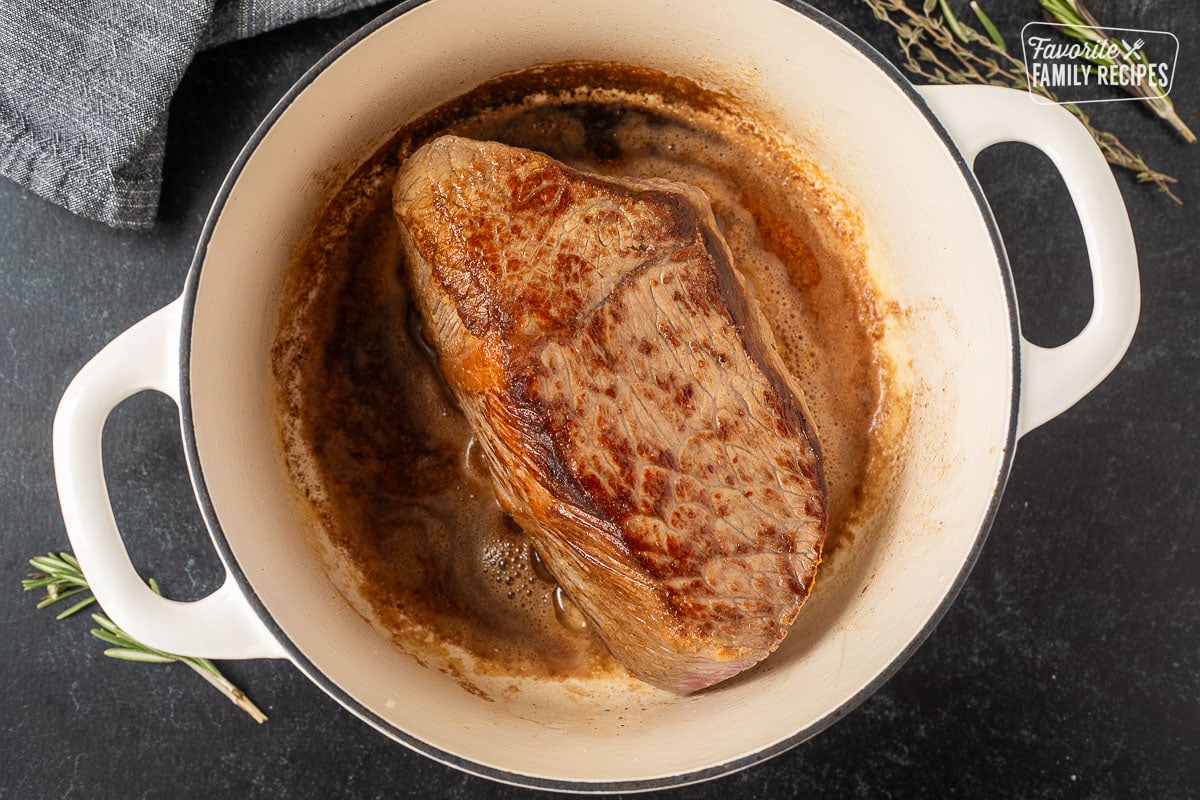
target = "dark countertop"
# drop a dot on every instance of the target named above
(1069, 665)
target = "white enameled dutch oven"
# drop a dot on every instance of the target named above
(902, 154)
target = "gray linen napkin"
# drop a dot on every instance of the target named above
(85, 86)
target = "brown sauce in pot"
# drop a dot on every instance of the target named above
(387, 462)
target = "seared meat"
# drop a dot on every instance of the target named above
(636, 416)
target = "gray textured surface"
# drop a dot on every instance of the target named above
(85, 89)
(1068, 667)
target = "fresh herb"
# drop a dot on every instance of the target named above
(960, 54)
(952, 22)
(1082, 26)
(990, 27)
(60, 575)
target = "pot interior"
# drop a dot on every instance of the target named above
(930, 239)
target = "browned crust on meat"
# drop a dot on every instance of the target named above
(548, 292)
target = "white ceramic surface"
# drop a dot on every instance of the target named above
(932, 235)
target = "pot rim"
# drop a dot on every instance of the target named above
(330, 687)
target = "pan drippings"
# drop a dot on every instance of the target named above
(386, 460)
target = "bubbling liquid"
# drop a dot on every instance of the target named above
(388, 463)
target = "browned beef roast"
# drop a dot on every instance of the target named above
(636, 416)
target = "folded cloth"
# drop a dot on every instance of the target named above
(85, 86)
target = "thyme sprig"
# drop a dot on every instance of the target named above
(60, 575)
(934, 51)
(1081, 25)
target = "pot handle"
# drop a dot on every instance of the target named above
(221, 625)
(1054, 378)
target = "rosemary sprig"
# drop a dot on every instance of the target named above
(989, 27)
(938, 54)
(1082, 26)
(952, 21)
(61, 576)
